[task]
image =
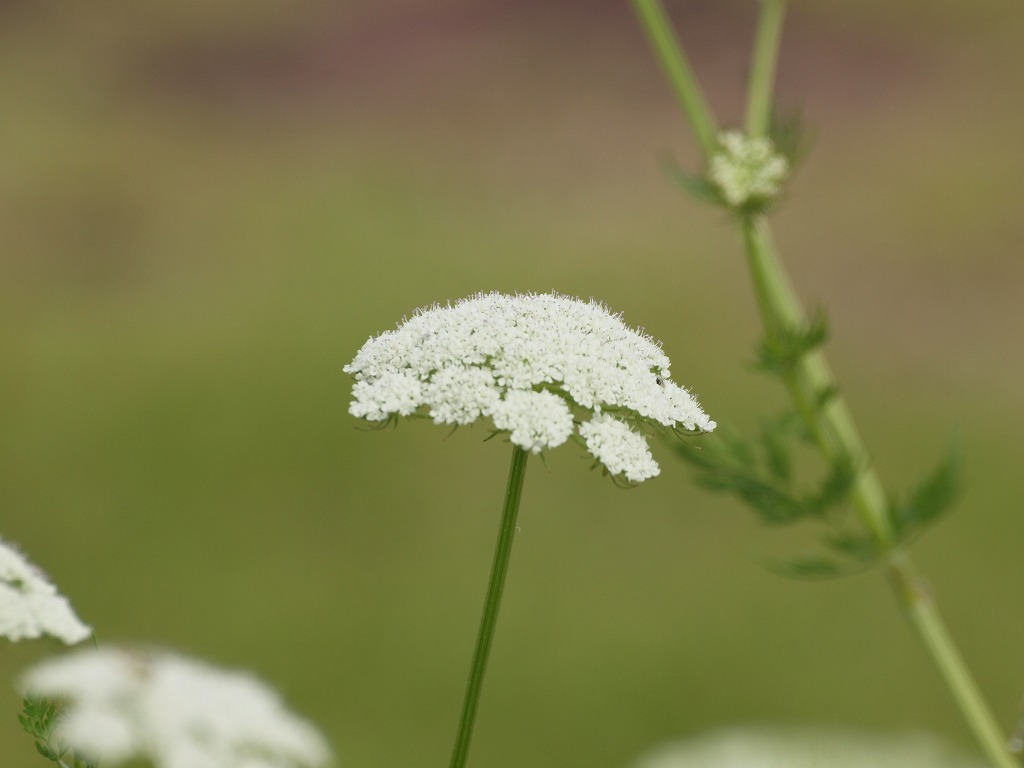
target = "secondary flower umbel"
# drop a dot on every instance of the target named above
(747, 170)
(173, 712)
(541, 366)
(30, 605)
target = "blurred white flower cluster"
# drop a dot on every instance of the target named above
(747, 169)
(808, 748)
(171, 711)
(528, 362)
(30, 605)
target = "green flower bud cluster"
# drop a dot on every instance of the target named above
(747, 172)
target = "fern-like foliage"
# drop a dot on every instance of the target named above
(932, 497)
(781, 351)
(763, 472)
(39, 717)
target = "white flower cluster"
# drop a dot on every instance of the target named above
(747, 169)
(173, 712)
(527, 362)
(809, 748)
(30, 605)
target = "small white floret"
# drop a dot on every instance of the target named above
(394, 392)
(619, 448)
(535, 420)
(459, 394)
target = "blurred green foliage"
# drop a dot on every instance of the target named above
(206, 208)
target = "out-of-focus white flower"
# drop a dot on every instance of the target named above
(808, 748)
(172, 711)
(30, 605)
(747, 169)
(532, 363)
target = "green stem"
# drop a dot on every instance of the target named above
(920, 607)
(762, 68)
(666, 46)
(499, 568)
(837, 435)
(831, 423)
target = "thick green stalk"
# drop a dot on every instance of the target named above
(831, 423)
(666, 46)
(499, 568)
(836, 434)
(924, 616)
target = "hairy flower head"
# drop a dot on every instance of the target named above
(172, 712)
(747, 170)
(541, 367)
(30, 605)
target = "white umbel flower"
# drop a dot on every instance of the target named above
(808, 748)
(174, 712)
(536, 365)
(30, 605)
(747, 169)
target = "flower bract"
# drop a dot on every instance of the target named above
(30, 605)
(173, 712)
(541, 367)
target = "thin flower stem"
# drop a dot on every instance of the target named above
(673, 61)
(499, 567)
(811, 381)
(762, 69)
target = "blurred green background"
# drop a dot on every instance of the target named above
(205, 209)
